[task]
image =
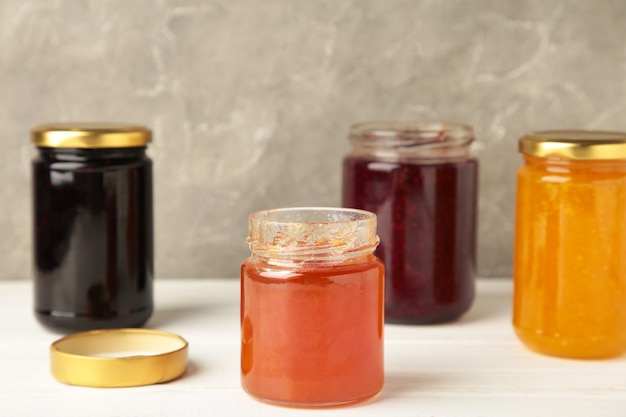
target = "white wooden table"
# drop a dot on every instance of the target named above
(474, 367)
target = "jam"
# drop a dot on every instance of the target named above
(426, 209)
(93, 255)
(318, 343)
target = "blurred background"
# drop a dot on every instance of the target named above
(251, 101)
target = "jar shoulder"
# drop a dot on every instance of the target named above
(255, 266)
(359, 161)
(556, 173)
(65, 165)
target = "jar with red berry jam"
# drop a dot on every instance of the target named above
(421, 181)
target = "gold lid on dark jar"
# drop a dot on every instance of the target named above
(90, 135)
(575, 144)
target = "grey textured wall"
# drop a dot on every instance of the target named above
(251, 100)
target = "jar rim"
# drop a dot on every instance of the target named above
(575, 144)
(429, 141)
(90, 135)
(312, 233)
(311, 215)
(406, 130)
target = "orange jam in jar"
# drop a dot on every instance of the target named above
(570, 245)
(312, 307)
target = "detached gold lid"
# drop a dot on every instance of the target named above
(118, 358)
(90, 135)
(575, 144)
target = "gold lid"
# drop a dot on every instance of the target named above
(90, 135)
(575, 144)
(118, 358)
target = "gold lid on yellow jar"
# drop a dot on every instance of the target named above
(575, 144)
(90, 135)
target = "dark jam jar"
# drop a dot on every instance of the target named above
(421, 182)
(93, 236)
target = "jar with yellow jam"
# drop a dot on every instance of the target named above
(570, 245)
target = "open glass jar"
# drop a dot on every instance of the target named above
(421, 182)
(312, 307)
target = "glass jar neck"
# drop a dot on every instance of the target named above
(573, 165)
(318, 236)
(426, 143)
(91, 154)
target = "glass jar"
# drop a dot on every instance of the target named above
(92, 198)
(312, 307)
(421, 182)
(570, 268)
